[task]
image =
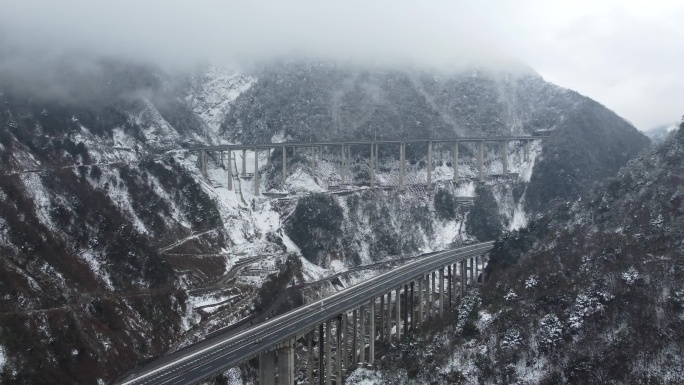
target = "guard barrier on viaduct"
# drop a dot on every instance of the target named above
(345, 152)
(345, 326)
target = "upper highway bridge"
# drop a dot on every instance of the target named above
(345, 152)
(349, 324)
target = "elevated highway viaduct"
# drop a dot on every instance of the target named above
(345, 152)
(346, 326)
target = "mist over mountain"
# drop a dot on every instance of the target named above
(659, 133)
(113, 242)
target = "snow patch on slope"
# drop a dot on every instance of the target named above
(3, 357)
(157, 131)
(212, 94)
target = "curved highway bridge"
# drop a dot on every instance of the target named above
(348, 323)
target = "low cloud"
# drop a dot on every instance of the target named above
(627, 54)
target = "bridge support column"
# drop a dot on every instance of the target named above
(527, 150)
(389, 317)
(449, 282)
(229, 170)
(286, 364)
(344, 354)
(472, 271)
(244, 162)
(339, 351)
(267, 369)
(343, 174)
(371, 332)
(402, 161)
(441, 292)
(429, 166)
(455, 162)
(482, 268)
(321, 355)
(504, 156)
(420, 301)
(413, 307)
(463, 278)
(398, 315)
(268, 157)
(284, 165)
(480, 161)
(328, 353)
(477, 269)
(310, 357)
(362, 336)
(203, 162)
(313, 161)
(382, 317)
(433, 295)
(372, 166)
(355, 338)
(256, 172)
(406, 309)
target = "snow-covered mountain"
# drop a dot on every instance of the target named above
(590, 293)
(116, 249)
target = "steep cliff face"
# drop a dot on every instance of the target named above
(116, 249)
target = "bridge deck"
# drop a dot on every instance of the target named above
(226, 147)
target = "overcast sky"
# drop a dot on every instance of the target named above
(626, 54)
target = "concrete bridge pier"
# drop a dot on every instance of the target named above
(455, 161)
(412, 314)
(268, 157)
(343, 353)
(398, 315)
(463, 278)
(407, 310)
(372, 166)
(339, 351)
(402, 161)
(267, 368)
(449, 282)
(229, 170)
(310, 357)
(355, 338)
(371, 332)
(477, 269)
(313, 161)
(429, 166)
(504, 156)
(321, 354)
(256, 172)
(420, 301)
(244, 162)
(389, 318)
(441, 292)
(472, 271)
(286, 364)
(480, 161)
(527, 150)
(381, 313)
(362, 336)
(203, 162)
(284, 165)
(328, 353)
(342, 166)
(433, 296)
